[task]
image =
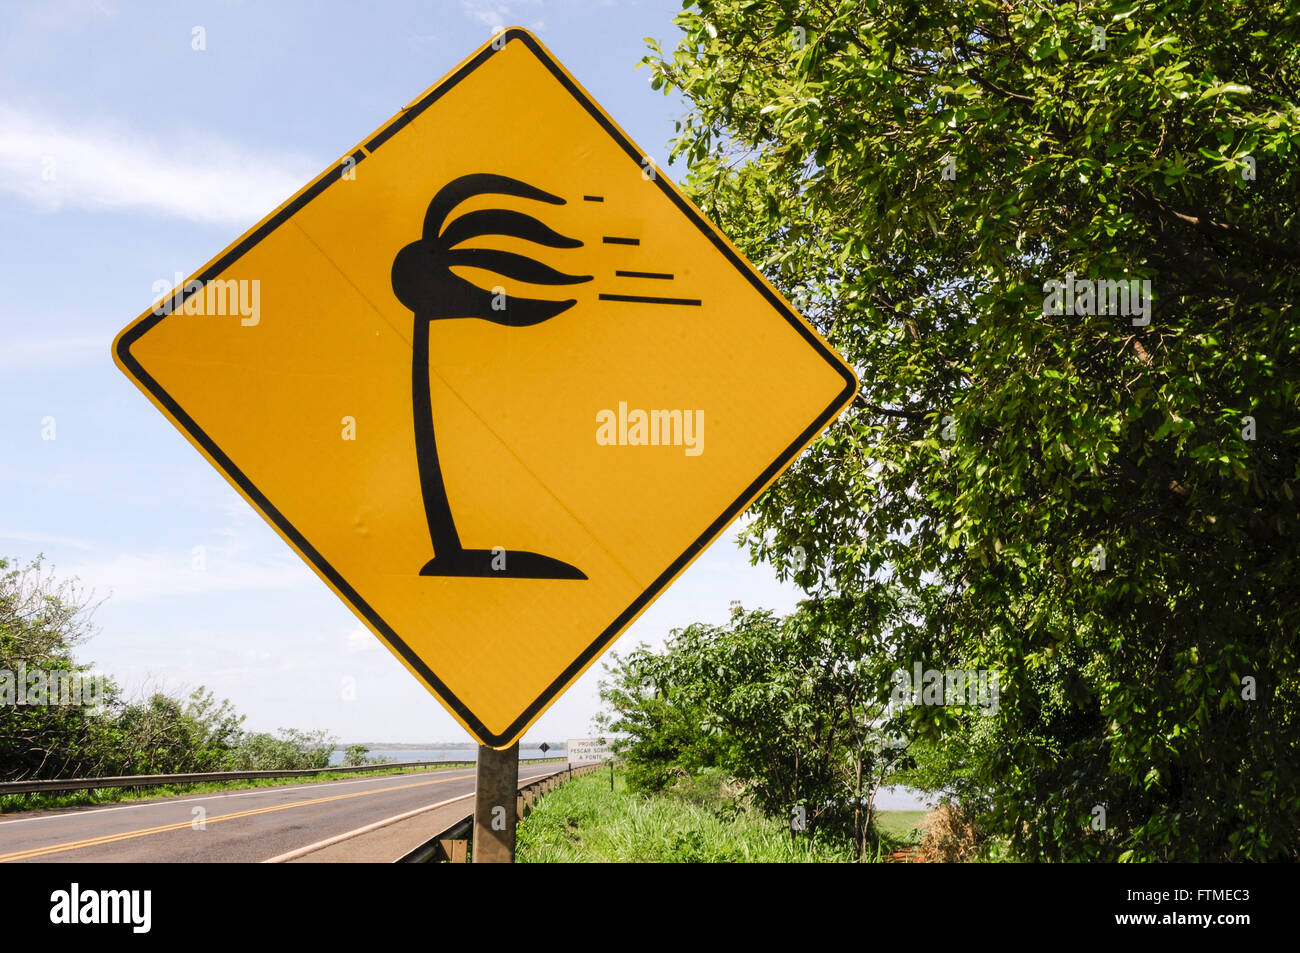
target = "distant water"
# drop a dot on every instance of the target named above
(441, 754)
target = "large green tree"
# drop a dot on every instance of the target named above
(795, 708)
(1101, 504)
(44, 621)
(41, 621)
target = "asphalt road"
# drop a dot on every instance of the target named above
(239, 826)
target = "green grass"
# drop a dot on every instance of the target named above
(901, 827)
(17, 803)
(583, 821)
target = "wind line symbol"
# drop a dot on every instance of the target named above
(424, 282)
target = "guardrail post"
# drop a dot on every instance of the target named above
(496, 786)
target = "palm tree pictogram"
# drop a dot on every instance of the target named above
(424, 282)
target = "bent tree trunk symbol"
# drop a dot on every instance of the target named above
(423, 281)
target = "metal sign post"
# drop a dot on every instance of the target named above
(496, 788)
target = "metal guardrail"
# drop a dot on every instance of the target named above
(451, 845)
(204, 777)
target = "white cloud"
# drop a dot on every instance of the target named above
(52, 351)
(44, 538)
(491, 15)
(132, 577)
(495, 15)
(98, 167)
(361, 639)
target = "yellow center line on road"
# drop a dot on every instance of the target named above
(182, 825)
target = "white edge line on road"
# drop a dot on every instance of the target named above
(339, 838)
(265, 789)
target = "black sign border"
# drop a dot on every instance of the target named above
(341, 585)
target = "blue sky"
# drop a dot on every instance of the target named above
(127, 156)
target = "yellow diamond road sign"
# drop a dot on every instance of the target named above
(494, 378)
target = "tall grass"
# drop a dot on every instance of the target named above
(583, 821)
